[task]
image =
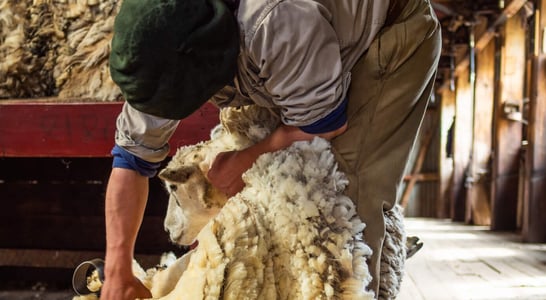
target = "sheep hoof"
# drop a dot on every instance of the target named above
(413, 244)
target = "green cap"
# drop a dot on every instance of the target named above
(170, 56)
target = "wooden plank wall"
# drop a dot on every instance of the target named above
(54, 128)
(54, 166)
(509, 73)
(58, 203)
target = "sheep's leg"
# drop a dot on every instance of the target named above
(393, 254)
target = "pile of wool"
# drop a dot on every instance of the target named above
(56, 48)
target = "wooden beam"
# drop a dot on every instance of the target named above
(61, 128)
(39, 258)
(510, 10)
(425, 142)
(422, 177)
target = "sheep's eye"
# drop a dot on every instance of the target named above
(172, 187)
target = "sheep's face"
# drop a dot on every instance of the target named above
(193, 200)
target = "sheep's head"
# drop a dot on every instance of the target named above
(193, 201)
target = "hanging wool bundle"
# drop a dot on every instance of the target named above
(56, 48)
(82, 65)
(11, 39)
(23, 50)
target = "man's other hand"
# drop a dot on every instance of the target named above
(118, 289)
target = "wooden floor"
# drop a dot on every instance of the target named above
(469, 262)
(457, 262)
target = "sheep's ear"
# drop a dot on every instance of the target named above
(177, 175)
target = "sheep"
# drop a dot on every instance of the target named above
(283, 190)
(289, 234)
(57, 48)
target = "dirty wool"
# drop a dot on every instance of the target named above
(56, 48)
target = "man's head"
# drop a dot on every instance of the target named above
(170, 56)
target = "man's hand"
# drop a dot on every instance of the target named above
(116, 288)
(227, 169)
(126, 197)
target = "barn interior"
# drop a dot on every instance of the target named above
(478, 168)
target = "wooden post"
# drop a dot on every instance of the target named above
(534, 222)
(446, 207)
(508, 133)
(462, 142)
(479, 183)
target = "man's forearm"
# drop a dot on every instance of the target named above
(284, 136)
(126, 198)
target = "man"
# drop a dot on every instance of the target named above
(357, 72)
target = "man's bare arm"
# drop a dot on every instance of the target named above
(126, 198)
(228, 167)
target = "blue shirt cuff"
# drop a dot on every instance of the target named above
(125, 160)
(334, 120)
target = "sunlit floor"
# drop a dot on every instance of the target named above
(470, 262)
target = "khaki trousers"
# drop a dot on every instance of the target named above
(390, 88)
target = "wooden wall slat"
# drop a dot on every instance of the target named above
(86, 233)
(66, 210)
(54, 169)
(68, 199)
(23, 199)
(79, 129)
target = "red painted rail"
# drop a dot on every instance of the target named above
(53, 128)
